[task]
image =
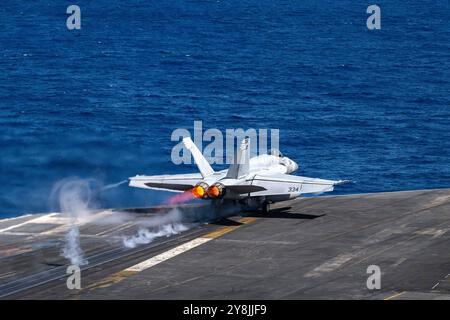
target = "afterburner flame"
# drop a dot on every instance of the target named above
(198, 191)
(180, 198)
(213, 192)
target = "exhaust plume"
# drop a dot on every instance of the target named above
(180, 198)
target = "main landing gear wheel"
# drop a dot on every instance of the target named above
(266, 207)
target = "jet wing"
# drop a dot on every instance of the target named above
(170, 182)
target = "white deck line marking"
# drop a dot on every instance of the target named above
(35, 220)
(330, 265)
(439, 282)
(15, 218)
(59, 219)
(54, 217)
(55, 230)
(168, 254)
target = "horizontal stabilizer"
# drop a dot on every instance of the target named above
(168, 186)
(170, 182)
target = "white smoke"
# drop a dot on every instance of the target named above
(74, 197)
(174, 222)
(161, 226)
(72, 249)
(145, 236)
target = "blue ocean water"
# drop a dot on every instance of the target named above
(101, 102)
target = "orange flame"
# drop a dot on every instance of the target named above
(198, 191)
(213, 191)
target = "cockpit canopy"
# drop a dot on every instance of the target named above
(291, 166)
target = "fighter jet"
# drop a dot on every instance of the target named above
(255, 182)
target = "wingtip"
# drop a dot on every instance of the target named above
(341, 182)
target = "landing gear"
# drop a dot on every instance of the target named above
(265, 207)
(255, 204)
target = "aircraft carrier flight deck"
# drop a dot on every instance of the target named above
(309, 248)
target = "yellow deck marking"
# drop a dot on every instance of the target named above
(221, 231)
(122, 275)
(112, 279)
(246, 220)
(394, 296)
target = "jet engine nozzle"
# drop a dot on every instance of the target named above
(199, 191)
(217, 190)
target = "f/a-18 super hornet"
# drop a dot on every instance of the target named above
(254, 182)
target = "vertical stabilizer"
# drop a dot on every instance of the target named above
(241, 165)
(200, 161)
